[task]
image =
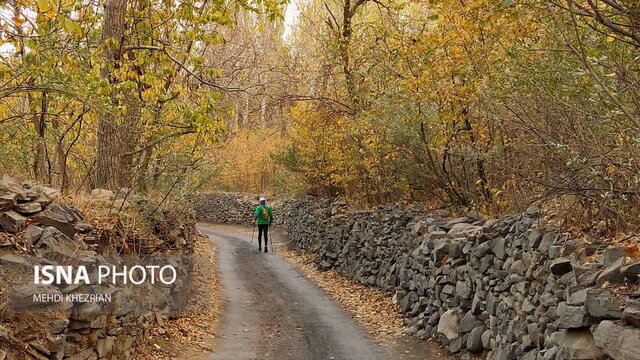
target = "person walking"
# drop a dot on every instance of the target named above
(264, 217)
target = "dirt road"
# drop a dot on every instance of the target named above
(272, 312)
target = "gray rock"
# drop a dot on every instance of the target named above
(29, 208)
(440, 250)
(86, 312)
(619, 342)
(498, 248)
(40, 347)
(571, 316)
(474, 341)
(22, 296)
(631, 271)
(102, 195)
(468, 323)
(533, 238)
(560, 266)
(519, 267)
(9, 186)
(61, 217)
(554, 251)
(577, 297)
(464, 230)
(451, 223)
(86, 354)
(58, 326)
(12, 222)
(602, 304)
(463, 290)
(32, 234)
(611, 254)
(612, 274)
(475, 215)
(17, 261)
(7, 202)
(455, 345)
(448, 324)
(52, 240)
(486, 339)
(631, 312)
(579, 344)
(106, 346)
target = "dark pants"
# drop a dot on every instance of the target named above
(263, 228)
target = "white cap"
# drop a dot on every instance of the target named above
(263, 199)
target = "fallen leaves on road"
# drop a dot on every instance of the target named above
(371, 309)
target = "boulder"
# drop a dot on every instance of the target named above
(9, 186)
(58, 326)
(631, 312)
(468, 323)
(448, 324)
(440, 250)
(29, 208)
(12, 222)
(602, 304)
(498, 248)
(53, 240)
(22, 296)
(7, 202)
(451, 223)
(102, 195)
(571, 316)
(611, 254)
(86, 312)
(579, 344)
(32, 234)
(464, 230)
(631, 271)
(618, 341)
(561, 266)
(60, 216)
(16, 261)
(105, 346)
(612, 274)
(474, 341)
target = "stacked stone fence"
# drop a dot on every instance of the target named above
(511, 288)
(232, 208)
(76, 320)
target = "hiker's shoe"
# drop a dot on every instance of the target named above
(260, 249)
(266, 250)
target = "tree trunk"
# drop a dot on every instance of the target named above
(40, 151)
(109, 149)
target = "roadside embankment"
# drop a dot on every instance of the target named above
(56, 299)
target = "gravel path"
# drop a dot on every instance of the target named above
(272, 312)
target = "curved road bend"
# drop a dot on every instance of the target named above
(272, 312)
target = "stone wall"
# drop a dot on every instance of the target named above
(511, 288)
(232, 208)
(41, 231)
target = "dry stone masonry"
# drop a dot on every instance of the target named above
(232, 208)
(49, 232)
(511, 288)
